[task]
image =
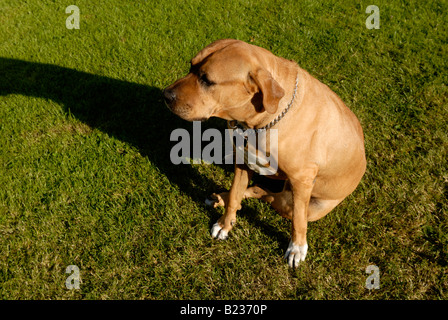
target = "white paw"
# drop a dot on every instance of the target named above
(295, 254)
(218, 232)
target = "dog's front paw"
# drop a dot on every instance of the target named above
(295, 254)
(218, 232)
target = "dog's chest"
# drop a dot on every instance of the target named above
(259, 154)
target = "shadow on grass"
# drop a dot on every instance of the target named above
(130, 112)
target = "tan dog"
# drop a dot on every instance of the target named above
(320, 141)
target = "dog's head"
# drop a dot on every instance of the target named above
(227, 79)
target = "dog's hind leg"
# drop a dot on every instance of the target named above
(280, 201)
(318, 208)
(218, 199)
(221, 199)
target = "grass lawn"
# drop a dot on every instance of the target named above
(86, 178)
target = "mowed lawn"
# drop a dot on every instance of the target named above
(86, 178)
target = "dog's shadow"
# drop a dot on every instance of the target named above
(133, 113)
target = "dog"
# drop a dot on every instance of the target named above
(320, 154)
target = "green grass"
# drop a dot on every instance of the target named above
(86, 178)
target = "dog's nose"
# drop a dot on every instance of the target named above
(169, 96)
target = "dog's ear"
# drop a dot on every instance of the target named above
(208, 50)
(271, 89)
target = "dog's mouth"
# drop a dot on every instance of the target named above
(168, 105)
(184, 113)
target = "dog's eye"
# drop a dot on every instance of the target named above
(206, 81)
